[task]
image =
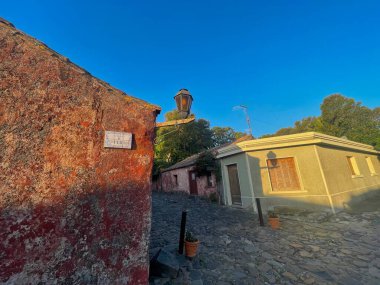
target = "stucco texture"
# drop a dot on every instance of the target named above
(343, 187)
(169, 184)
(313, 191)
(326, 181)
(71, 211)
(245, 187)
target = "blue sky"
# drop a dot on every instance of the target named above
(279, 58)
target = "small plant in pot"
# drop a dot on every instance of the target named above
(273, 220)
(191, 244)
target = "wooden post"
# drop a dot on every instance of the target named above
(259, 212)
(182, 232)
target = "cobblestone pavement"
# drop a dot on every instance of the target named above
(309, 248)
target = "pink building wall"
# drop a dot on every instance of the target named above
(169, 184)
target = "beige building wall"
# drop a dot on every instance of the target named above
(321, 163)
(344, 187)
(245, 188)
(313, 190)
(255, 181)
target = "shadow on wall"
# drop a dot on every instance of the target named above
(256, 180)
(168, 183)
(95, 237)
(358, 203)
(256, 163)
(367, 202)
(302, 196)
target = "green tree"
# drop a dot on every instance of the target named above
(205, 163)
(221, 136)
(342, 116)
(376, 139)
(177, 143)
(285, 131)
(239, 135)
(224, 135)
(308, 124)
(172, 115)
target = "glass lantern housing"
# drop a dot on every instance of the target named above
(183, 100)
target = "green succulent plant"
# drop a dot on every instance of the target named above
(190, 237)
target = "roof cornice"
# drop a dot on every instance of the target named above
(294, 140)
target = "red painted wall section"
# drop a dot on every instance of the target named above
(71, 211)
(169, 182)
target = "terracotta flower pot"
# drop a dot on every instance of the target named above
(191, 248)
(274, 222)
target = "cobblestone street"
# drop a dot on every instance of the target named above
(309, 248)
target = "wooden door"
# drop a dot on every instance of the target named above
(193, 183)
(234, 184)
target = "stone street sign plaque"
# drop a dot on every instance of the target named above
(117, 140)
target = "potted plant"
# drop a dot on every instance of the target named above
(273, 220)
(191, 244)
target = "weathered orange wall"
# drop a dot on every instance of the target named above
(71, 211)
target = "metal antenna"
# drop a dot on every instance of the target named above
(245, 109)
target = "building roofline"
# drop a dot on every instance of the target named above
(179, 167)
(309, 138)
(185, 163)
(45, 48)
(191, 160)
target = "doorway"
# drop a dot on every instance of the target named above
(193, 183)
(233, 177)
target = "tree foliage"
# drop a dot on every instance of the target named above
(173, 115)
(177, 143)
(341, 116)
(205, 163)
(224, 135)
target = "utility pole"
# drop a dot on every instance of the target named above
(245, 109)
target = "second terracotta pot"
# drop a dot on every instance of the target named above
(191, 248)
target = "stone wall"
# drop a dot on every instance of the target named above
(71, 211)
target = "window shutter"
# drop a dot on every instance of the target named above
(283, 174)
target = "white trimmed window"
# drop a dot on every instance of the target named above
(370, 166)
(353, 166)
(283, 174)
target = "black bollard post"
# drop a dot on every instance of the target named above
(182, 232)
(260, 212)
